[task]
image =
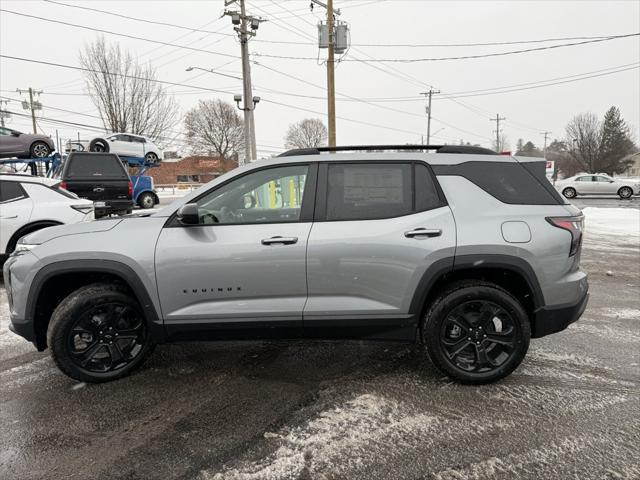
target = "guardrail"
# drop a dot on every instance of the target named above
(179, 188)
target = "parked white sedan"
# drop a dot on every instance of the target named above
(30, 203)
(598, 184)
(126, 144)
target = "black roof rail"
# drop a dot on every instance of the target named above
(373, 148)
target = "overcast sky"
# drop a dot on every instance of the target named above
(373, 24)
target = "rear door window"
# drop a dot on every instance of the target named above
(360, 191)
(87, 165)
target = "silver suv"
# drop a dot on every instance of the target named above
(466, 251)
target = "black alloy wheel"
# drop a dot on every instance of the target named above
(478, 336)
(99, 333)
(107, 337)
(476, 332)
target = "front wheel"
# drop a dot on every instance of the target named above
(98, 333)
(476, 332)
(625, 193)
(569, 192)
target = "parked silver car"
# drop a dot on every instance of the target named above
(469, 252)
(24, 145)
(598, 184)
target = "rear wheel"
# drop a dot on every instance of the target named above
(476, 332)
(151, 157)
(39, 150)
(146, 200)
(98, 333)
(99, 145)
(569, 192)
(625, 193)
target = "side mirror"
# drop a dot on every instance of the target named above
(612, 181)
(15, 134)
(188, 214)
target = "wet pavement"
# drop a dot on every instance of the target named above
(320, 410)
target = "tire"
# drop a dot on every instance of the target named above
(458, 345)
(152, 158)
(39, 150)
(146, 200)
(570, 192)
(93, 316)
(625, 193)
(99, 145)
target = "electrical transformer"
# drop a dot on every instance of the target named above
(341, 34)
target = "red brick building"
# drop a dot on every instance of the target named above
(194, 169)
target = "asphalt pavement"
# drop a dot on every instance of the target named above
(336, 410)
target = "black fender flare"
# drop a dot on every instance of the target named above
(119, 269)
(29, 228)
(462, 262)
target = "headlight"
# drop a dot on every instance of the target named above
(22, 248)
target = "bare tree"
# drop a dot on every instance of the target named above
(125, 92)
(307, 133)
(584, 135)
(214, 127)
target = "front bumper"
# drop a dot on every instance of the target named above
(548, 320)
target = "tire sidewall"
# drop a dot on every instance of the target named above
(63, 319)
(625, 189)
(33, 147)
(100, 141)
(143, 197)
(569, 189)
(432, 324)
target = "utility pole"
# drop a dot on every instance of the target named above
(331, 77)
(546, 134)
(31, 105)
(429, 94)
(243, 22)
(498, 119)
(335, 42)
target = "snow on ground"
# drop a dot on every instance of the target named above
(612, 229)
(612, 221)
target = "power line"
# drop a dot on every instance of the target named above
(462, 57)
(159, 42)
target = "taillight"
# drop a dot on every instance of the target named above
(574, 226)
(62, 185)
(130, 191)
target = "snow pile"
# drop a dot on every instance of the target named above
(612, 229)
(612, 221)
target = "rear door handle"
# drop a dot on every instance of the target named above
(281, 240)
(423, 232)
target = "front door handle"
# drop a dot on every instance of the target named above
(281, 240)
(423, 232)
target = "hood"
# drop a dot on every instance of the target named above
(41, 236)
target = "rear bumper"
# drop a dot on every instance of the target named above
(106, 207)
(548, 320)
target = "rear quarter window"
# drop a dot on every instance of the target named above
(509, 182)
(11, 191)
(88, 165)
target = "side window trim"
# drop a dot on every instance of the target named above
(308, 200)
(322, 189)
